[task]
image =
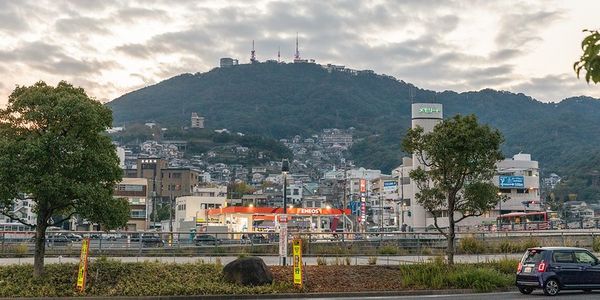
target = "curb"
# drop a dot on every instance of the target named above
(285, 295)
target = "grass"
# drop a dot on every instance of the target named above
(113, 278)
(480, 277)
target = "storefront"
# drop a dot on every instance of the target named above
(247, 219)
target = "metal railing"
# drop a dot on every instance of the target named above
(160, 244)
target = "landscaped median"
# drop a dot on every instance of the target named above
(112, 278)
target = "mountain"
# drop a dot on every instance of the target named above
(282, 100)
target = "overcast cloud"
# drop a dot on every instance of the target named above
(113, 47)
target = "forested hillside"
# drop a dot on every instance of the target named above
(282, 100)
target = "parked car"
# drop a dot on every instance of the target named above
(147, 239)
(558, 268)
(206, 239)
(58, 240)
(72, 237)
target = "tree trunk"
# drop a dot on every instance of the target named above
(40, 247)
(451, 234)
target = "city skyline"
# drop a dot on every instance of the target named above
(111, 48)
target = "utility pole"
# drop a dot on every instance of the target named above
(381, 208)
(344, 203)
(171, 218)
(285, 168)
(154, 195)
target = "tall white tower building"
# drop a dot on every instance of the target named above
(425, 115)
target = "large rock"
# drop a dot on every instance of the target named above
(248, 271)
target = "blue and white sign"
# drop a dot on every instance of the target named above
(390, 186)
(511, 181)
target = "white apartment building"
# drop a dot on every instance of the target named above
(519, 179)
(22, 209)
(197, 121)
(194, 209)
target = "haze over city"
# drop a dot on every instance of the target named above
(111, 47)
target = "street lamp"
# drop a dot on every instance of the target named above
(499, 222)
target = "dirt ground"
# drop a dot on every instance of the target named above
(343, 278)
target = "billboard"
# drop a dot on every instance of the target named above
(363, 185)
(390, 186)
(511, 181)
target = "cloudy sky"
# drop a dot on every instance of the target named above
(113, 47)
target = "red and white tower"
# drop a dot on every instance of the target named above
(253, 54)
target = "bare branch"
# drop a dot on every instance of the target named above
(14, 218)
(467, 216)
(435, 223)
(64, 219)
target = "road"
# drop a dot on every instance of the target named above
(487, 296)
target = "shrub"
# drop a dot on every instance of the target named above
(471, 245)
(530, 243)
(372, 260)
(437, 275)
(426, 251)
(388, 250)
(505, 265)
(506, 247)
(21, 250)
(596, 244)
(321, 261)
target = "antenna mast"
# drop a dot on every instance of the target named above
(297, 56)
(279, 54)
(252, 54)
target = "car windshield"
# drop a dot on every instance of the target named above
(533, 256)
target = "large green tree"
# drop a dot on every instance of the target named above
(590, 59)
(457, 162)
(53, 152)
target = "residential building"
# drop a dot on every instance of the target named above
(333, 136)
(192, 210)
(135, 190)
(22, 209)
(227, 62)
(197, 121)
(518, 178)
(384, 198)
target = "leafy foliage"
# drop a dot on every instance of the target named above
(590, 59)
(457, 162)
(53, 152)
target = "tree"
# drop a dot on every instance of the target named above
(590, 59)
(459, 158)
(53, 152)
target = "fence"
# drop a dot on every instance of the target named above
(21, 244)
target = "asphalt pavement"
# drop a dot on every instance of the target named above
(538, 294)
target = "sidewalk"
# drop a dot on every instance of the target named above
(274, 260)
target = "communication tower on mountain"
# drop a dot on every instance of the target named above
(297, 58)
(253, 54)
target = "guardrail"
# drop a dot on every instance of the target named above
(145, 244)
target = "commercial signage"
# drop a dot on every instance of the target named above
(283, 237)
(511, 181)
(429, 110)
(297, 251)
(363, 210)
(426, 111)
(363, 185)
(312, 211)
(390, 186)
(83, 261)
